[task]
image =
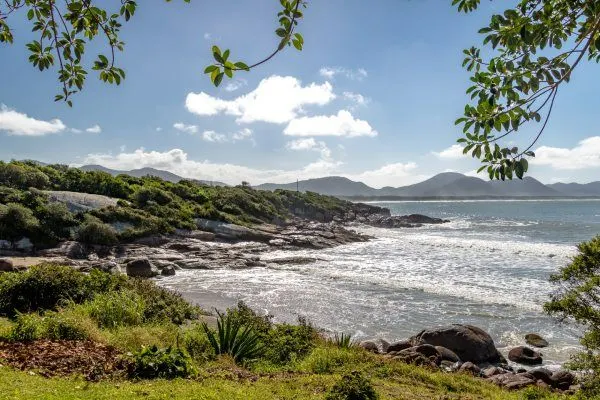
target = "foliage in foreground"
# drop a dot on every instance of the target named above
(234, 338)
(576, 299)
(352, 386)
(153, 363)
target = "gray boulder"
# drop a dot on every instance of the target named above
(468, 342)
(141, 268)
(512, 381)
(562, 379)
(470, 368)
(369, 346)
(168, 271)
(447, 354)
(524, 355)
(398, 346)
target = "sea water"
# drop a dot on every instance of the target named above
(489, 266)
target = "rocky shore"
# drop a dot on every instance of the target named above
(469, 349)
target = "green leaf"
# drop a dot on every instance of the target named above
(210, 69)
(218, 79)
(241, 65)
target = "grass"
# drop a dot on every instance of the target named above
(403, 382)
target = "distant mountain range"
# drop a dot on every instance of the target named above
(138, 173)
(444, 185)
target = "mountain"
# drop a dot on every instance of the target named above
(578, 189)
(138, 173)
(447, 184)
(332, 185)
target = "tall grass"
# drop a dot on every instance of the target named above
(234, 338)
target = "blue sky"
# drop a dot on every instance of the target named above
(373, 96)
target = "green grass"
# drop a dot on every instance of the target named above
(402, 382)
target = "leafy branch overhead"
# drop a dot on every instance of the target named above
(535, 47)
(288, 20)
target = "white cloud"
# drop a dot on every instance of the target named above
(310, 144)
(242, 134)
(212, 136)
(357, 98)
(180, 126)
(236, 84)
(331, 72)
(74, 130)
(94, 129)
(19, 124)
(396, 174)
(454, 152)
(585, 155)
(207, 36)
(277, 99)
(342, 124)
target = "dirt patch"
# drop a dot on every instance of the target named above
(51, 358)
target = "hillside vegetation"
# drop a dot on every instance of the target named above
(33, 205)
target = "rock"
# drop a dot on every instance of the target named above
(447, 354)
(383, 345)
(398, 346)
(470, 368)
(293, 260)
(168, 271)
(492, 371)
(533, 339)
(369, 346)
(525, 355)
(468, 342)
(562, 379)
(512, 381)
(234, 232)
(401, 221)
(141, 268)
(542, 374)
(427, 350)
(6, 265)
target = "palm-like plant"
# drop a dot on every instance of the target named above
(234, 338)
(343, 340)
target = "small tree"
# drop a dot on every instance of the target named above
(578, 299)
(94, 231)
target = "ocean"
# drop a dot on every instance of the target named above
(488, 267)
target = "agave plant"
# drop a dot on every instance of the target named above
(234, 338)
(343, 340)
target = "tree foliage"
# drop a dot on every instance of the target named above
(534, 47)
(577, 299)
(65, 28)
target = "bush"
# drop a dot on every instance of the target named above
(577, 300)
(342, 340)
(66, 326)
(352, 386)
(16, 222)
(244, 315)
(147, 195)
(113, 309)
(162, 304)
(94, 231)
(286, 342)
(325, 360)
(152, 363)
(45, 287)
(27, 327)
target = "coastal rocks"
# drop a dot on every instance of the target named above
(535, 340)
(525, 355)
(447, 354)
(562, 379)
(400, 221)
(141, 268)
(398, 346)
(468, 342)
(6, 265)
(512, 381)
(470, 368)
(375, 346)
(168, 271)
(227, 231)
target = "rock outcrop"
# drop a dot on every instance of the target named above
(141, 268)
(525, 355)
(535, 340)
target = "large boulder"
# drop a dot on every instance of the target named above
(562, 379)
(513, 381)
(6, 265)
(399, 346)
(468, 342)
(141, 268)
(524, 355)
(535, 340)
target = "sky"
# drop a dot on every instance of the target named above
(373, 97)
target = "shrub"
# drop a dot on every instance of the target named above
(16, 222)
(94, 231)
(146, 195)
(234, 338)
(56, 220)
(162, 304)
(65, 326)
(244, 315)
(352, 386)
(27, 327)
(42, 287)
(287, 342)
(577, 300)
(197, 345)
(152, 363)
(113, 309)
(343, 340)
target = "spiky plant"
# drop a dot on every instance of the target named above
(343, 341)
(234, 338)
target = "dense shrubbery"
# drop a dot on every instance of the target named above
(149, 204)
(152, 363)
